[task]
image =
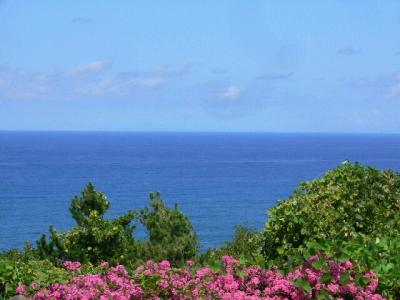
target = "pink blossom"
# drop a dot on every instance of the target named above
(72, 265)
(234, 282)
(21, 289)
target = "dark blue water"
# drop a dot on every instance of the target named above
(219, 180)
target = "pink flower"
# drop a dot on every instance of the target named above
(71, 265)
(34, 285)
(333, 288)
(164, 264)
(163, 283)
(235, 282)
(21, 289)
(190, 262)
(229, 261)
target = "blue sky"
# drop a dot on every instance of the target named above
(275, 66)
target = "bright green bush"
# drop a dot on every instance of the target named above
(93, 239)
(170, 233)
(14, 272)
(347, 201)
(246, 245)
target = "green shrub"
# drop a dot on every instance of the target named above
(93, 239)
(14, 272)
(347, 201)
(170, 233)
(246, 245)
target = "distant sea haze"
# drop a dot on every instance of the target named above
(218, 179)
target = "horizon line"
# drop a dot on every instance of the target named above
(195, 132)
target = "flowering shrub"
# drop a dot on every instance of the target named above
(318, 278)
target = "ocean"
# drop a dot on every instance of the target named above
(218, 179)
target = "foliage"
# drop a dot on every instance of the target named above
(353, 212)
(246, 245)
(14, 272)
(319, 278)
(93, 239)
(347, 201)
(381, 255)
(91, 200)
(170, 233)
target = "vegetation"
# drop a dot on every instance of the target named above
(347, 201)
(351, 212)
(93, 239)
(349, 218)
(323, 278)
(171, 235)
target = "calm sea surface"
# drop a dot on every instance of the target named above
(219, 180)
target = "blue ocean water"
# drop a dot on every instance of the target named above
(218, 179)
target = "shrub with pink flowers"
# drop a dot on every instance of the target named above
(317, 278)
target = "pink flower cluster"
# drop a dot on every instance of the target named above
(72, 265)
(235, 282)
(115, 284)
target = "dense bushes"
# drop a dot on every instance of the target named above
(94, 239)
(351, 213)
(347, 201)
(320, 278)
(380, 255)
(246, 245)
(170, 233)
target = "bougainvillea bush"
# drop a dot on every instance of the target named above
(317, 278)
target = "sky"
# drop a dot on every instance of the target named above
(257, 66)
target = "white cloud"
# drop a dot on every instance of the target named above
(92, 79)
(102, 87)
(232, 92)
(89, 68)
(118, 85)
(146, 82)
(395, 89)
(21, 85)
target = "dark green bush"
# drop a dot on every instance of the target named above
(93, 239)
(347, 201)
(170, 233)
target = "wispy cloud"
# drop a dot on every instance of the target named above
(18, 84)
(387, 85)
(89, 68)
(232, 92)
(92, 79)
(395, 89)
(275, 76)
(349, 50)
